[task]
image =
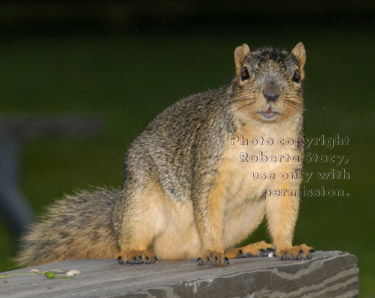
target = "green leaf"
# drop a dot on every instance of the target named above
(50, 274)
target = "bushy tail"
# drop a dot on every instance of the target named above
(78, 226)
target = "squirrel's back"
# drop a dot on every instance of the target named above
(76, 227)
(175, 140)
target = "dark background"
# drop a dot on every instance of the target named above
(126, 61)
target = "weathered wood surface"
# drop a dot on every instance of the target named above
(327, 274)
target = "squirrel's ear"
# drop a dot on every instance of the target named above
(300, 53)
(239, 57)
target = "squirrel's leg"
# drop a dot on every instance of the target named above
(142, 218)
(208, 212)
(282, 212)
(249, 218)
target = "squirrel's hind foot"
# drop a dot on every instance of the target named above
(137, 257)
(213, 257)
(258, 249)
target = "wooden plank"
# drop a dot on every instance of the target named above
(32, 126)
(327, 274)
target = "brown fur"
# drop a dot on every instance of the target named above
(75, 227)
(186, 194)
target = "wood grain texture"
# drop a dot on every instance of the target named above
(328, 274)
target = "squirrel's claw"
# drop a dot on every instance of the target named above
(137, 257)
(213, 257)
(297, 252)
(120, 260)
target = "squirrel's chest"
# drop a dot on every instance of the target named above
(254, 164)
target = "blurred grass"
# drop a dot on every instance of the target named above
(129, 80)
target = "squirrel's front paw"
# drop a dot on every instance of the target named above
(137, 257)
(213, 257)
(297, 252)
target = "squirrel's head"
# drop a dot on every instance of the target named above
(268, 82)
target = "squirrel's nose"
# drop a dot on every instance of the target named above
(271, 92)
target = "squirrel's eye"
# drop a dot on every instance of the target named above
(296, 76)
(244, 74)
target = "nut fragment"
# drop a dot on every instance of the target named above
(72, 272)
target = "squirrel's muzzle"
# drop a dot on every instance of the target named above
(271, 92)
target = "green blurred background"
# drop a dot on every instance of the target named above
(126, 61)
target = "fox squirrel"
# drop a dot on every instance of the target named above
(185, 193)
